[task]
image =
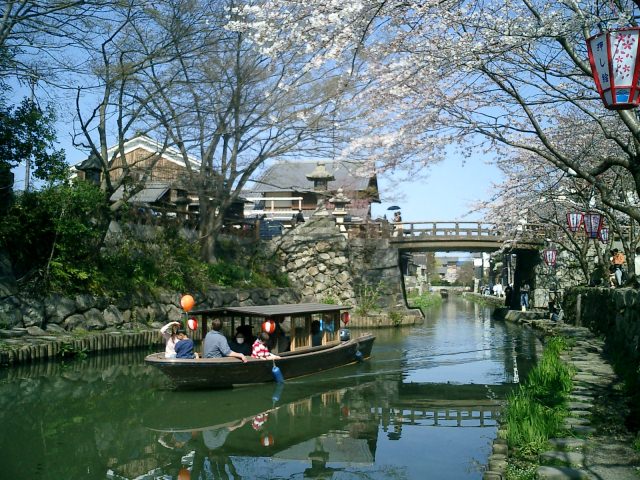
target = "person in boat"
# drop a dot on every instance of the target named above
(260, 349)
(240, 344)
(280, 341)
(184, 346)
(216, 345)
(168, 332)
(316, 333)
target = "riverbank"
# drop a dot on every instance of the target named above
(596, 442)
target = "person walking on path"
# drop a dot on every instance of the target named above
(524, 296)
(618, 261)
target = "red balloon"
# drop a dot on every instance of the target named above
(269, 326)
(346, 316)
(266, 440)
(192, 323)
(187, 302)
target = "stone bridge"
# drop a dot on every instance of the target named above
(442, 236)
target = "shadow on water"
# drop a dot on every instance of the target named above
(428, 400)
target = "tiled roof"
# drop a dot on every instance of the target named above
(291, 176)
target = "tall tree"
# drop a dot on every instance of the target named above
(499, 75)
(233, 107)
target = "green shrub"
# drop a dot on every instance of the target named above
(536, 411)
(425, 301)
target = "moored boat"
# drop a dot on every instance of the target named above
(302, 352)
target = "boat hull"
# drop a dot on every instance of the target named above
(228, 372)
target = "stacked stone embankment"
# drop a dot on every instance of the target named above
(35, 329)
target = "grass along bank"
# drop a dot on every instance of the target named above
(425, 301)
(536, 411)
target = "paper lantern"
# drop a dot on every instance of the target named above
(550, 256)
(192, 323)
(266, 440)
(187, 302)
(269, 326)
(612, 56)
(574, 221)
(346, 317)
(604, 235)
(593, 224)
(184, 474)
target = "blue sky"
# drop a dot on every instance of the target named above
(447, 193)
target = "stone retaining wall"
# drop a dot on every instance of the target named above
(612, 313)
(57, 326)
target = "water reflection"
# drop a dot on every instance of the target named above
(428, 401)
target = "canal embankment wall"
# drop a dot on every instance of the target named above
(38, 329)
(613, 314)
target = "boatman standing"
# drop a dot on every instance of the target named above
(216, 345)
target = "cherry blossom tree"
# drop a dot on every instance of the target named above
(498, 76)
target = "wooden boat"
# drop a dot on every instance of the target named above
(300, 358)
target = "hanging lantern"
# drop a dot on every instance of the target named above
(269, 326)
(604, 235)
(574, 221)
(550, 256)
(593, 224)
(192, 323)
(612, 56)
(187, 302)
(345, 317)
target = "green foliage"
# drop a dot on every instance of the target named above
(535, 412)
(425, 301)
(395, 317)
(367, 297)
(68, 350)
(53, 236)
(26, 132)
(329, 300)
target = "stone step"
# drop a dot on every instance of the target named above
(561, 473)
(567, 443)
(562, 458)
(582, 429)
(571, 422)
(579, 406)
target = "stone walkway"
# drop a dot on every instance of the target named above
(600, 447)
(597, 445)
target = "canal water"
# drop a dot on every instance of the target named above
(424, 406)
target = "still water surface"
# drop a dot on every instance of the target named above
(424, 406)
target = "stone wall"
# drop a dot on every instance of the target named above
(20, 315)
(612, 313)
(316, 259)
(363, 273)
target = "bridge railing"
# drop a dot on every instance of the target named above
(406, 231)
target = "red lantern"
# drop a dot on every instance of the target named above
(187, 302)
(267, 440)
(346, 317)
(184, 474)
(269, 326)
(574, 221)
(550, 257)
(604, 235)
(593, 224)
(612, 56)
(192, 323)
